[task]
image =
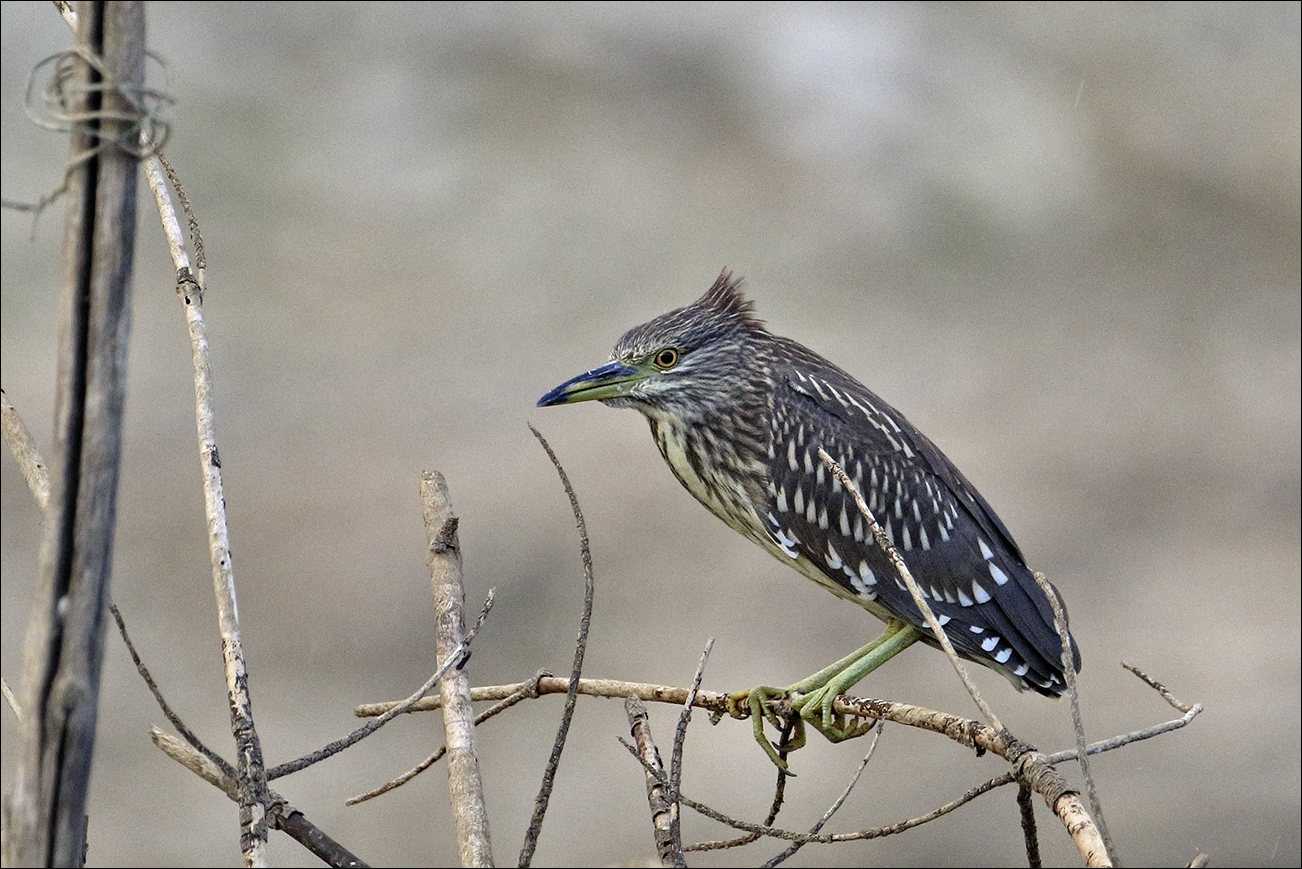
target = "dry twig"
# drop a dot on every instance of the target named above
(465, 784)
(663, 810)
(580, 649)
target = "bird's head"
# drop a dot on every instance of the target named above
(685, 364)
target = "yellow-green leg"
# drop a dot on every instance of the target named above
(812, 697)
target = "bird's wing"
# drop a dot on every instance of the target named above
(956, 547)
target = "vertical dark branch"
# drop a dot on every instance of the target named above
(65, 644)
(1027, 812)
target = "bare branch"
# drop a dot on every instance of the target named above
(676, 758)
(175, 720)
(282, 816)
(248, 747)
(1026, 809)
(663, 809)
(10, 700)
(1161, 689)
(370, 727)
(878, 727)
(464, 781)
(580, 648)
(531, 690)
(1078, 724)
(46, 809)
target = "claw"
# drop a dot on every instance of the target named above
(753, 704)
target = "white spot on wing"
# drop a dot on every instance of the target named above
(989, 643)
(963, 598)
(866, 574)
(1004, 655)
(981, 595)
(985, 550)
(999, 576)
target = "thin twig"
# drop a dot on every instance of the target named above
(253, 775)
(676, 758)
(282, 816)
(370, 727)
(798, 836)
(840, 801)
(779, 795)
(25, 452)
(580, 648)
(1068, 661)
(186, 733)
(529, 691)
(883, 541)
(1026, 809)
(1160, 689)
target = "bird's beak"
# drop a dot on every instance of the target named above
(611, 380)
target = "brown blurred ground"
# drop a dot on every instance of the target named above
(1062, 239)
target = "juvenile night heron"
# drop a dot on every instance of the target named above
(739, 414)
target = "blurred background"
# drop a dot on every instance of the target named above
(1063, 239)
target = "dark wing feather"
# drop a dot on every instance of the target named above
(957, 548)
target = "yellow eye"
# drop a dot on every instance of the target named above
(666, 358)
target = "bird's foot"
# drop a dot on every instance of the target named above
(816, 708)
(755, 705)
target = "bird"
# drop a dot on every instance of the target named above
(739, 415)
